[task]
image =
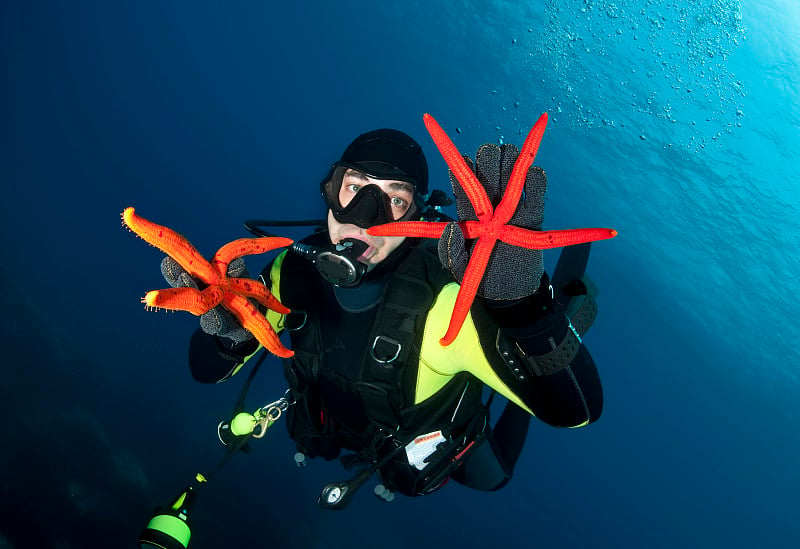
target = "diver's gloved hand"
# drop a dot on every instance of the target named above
(218, 321)
(512, 272)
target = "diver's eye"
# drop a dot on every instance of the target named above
(353, 188)
(398, 202)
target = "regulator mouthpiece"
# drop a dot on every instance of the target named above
(340, 265)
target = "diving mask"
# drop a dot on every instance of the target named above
(369, 193)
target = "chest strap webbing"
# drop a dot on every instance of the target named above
(394, 349)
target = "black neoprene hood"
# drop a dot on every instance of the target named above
(389, 154)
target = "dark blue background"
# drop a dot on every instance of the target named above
(676, 125)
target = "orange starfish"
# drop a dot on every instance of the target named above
(492, 224)
(231, 293)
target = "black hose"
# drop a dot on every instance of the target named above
(255, 226)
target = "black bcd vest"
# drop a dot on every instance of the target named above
(377, 373)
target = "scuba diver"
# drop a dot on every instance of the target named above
(369, 382)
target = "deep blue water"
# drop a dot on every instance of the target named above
(676, 124)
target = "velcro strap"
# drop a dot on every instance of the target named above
(521, 364)
(557, 359)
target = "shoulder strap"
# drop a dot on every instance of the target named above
(389, 368)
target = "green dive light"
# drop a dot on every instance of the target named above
(168, 528)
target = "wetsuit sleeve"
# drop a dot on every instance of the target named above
(212, 359)
(568, 396)
(535, 349)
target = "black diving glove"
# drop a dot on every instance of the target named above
(218, 321)
(513, 273)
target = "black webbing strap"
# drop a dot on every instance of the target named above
(404, 307)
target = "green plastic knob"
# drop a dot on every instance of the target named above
(243, 424)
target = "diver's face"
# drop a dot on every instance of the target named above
(399, 194)
(401, 197)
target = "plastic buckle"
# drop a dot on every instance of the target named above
(385, 340)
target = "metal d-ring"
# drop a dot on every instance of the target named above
(398, 348)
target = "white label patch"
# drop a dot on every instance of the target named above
(422, 447)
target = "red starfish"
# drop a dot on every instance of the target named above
(492, 224)
(232, 293)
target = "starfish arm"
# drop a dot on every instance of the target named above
(172, 244)
(516, 182)
(185, 299)
(469, 287)
(254, 322)
(426, 229)
(413, 229)
(245, 246)
(466, 177)
(248, 287)
(474, 229)
(545, 240)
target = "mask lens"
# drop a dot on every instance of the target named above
(346, 182)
